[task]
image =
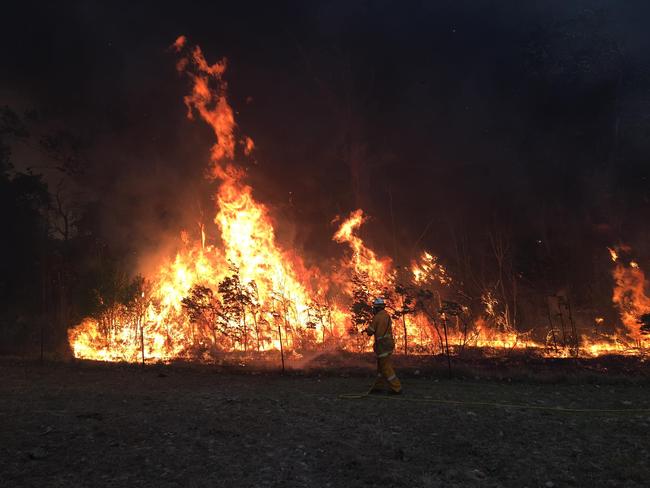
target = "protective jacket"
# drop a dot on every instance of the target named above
(381, 328)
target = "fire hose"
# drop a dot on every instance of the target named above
(361, 396)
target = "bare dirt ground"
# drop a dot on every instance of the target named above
(170, 426)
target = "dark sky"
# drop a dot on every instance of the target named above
(534, 116)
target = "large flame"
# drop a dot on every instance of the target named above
(630, 293)
(247, 293)
(280, 303)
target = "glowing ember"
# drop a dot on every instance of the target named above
(613, 253)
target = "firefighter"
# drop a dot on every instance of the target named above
(381, 328)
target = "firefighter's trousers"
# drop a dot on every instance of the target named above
(386, 375)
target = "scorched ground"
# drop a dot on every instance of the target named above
(114, 426)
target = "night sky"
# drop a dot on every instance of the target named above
(533, 117)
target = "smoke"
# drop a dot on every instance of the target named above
(436, 119)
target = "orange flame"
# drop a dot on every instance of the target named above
(630, 296)
(267, 274)
(363, 259)
(248, 293)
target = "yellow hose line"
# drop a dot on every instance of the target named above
(361, 396)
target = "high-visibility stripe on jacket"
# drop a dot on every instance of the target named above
(381, 328)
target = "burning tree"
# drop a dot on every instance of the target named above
(119, 314)
(360, 308)
(114, 299)
(205, 309)
(404, 306)
(257, 313)
(236, 300)
(430, 282)
(320, 314)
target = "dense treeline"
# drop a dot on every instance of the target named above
(57, 268)
(54, 266)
